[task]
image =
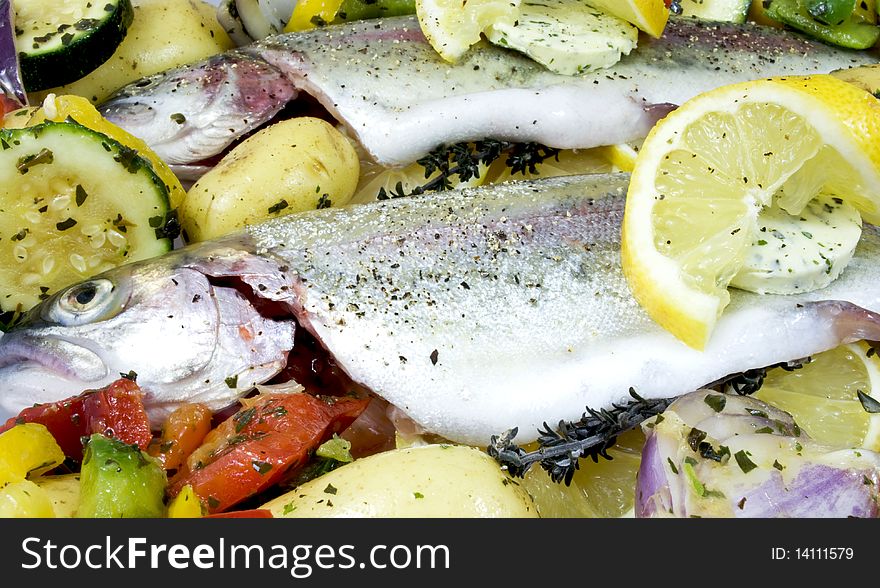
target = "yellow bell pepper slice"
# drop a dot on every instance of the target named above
(185, 505)
(26, 450)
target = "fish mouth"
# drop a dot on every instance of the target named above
(55, 355)
(42, 370)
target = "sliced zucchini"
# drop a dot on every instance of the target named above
(566, 36)
(60, 41)
(717, 10)
(73, 203)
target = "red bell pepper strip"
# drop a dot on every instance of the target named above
(115, 411)
(182, 433)
(259, 443)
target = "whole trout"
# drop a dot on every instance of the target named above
(394, 93)
(473, 311)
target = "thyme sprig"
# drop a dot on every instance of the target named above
(597, 431)
(592, 437)
(464, 160)
(750, 381)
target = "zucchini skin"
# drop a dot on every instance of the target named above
(48, 69)
(123, 154)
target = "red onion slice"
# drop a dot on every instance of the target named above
(10, 72)
(717, 455)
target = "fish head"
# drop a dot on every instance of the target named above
(186, 336)
(194, 112)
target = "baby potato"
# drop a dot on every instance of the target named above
(422, 482)
(24, 499)
(163, 34)
(292, 166)
(63, 493)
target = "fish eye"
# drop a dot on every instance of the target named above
(91, 301)
(85, 294)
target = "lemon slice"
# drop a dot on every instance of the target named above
(375, 177)
(598, 490)
(623, 156)
(823, 397)
(707, 170)
(648, 15)
(866, 77)
(308, 13)
(452, 26)
(556, 500)
(569, 162)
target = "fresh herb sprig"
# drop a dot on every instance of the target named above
(464, 160)
(597, 431)
(750, 381)
(592, 437)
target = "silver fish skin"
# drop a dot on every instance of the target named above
(390, 89)
(473, 311)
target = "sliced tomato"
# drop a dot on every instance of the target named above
(250, 451)
(115, 411)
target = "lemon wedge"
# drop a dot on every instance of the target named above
(823, 396)
(375, 177)
(648, 15)
(706, 171)
(452, 26)
(569, 162)
(598, 490)
(622, 156)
